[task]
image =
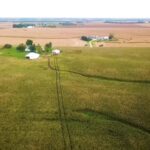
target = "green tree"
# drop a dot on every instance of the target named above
(85, 38)
(29, 42)
(32, 48)
(111, 36)
(39, 49)
(21, 47)
(7, 46)
(48, 47)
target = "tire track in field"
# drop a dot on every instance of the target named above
(67, 141)
(112, 117)
(59, 110)
(100, 77)
(137, 126)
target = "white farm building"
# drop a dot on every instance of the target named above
(56, 52)
(32, 55)
(98, 38)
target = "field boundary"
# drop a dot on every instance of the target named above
(34, 37)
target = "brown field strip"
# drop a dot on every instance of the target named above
(130, 35)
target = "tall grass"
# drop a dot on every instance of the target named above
(101, 114)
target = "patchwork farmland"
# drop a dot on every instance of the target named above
(128, 35)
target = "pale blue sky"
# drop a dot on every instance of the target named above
(76, 8)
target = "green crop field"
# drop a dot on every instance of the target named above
(84, 99)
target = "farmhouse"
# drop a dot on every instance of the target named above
(30, 27)
(106, 37)
(98, 38)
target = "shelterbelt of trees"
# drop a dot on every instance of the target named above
(31, 46)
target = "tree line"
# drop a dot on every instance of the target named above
(29, 44)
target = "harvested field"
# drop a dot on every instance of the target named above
(128, 35)
(56, 42)
(4, 25)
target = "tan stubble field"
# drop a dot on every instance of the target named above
(128, 35)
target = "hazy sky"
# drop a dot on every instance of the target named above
(76, 8)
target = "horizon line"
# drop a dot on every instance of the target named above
(75, 17)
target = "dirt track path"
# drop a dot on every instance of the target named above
(66, 136)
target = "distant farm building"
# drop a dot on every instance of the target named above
(56, 52)
(97, 38)
(30, 27)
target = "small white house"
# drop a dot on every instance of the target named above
(30, 27)
(95, 38)
(106, 37)
(32, 55)
(56, 52)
